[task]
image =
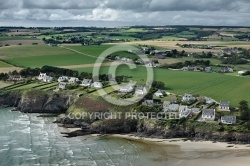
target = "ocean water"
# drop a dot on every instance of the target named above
(26, 139)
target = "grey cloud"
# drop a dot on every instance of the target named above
(60, 4)
(127, 12)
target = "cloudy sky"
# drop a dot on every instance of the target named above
(123, 12)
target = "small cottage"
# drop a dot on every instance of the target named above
(86, 82)
(224, 106)
(208, 114)
(97, 85)
(228, 119)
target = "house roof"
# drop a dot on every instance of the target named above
(149, 102)
(166, 103)
(196, 110)
(173, 107)
(224, 104)
(209, 112)
(228, 118)
(159, 91)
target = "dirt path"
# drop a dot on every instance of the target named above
(9, 69)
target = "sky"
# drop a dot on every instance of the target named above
(115, 13)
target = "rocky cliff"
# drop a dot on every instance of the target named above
(37, 101)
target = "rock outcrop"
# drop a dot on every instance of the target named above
(37, 101)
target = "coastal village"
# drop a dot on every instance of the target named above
(202, 108)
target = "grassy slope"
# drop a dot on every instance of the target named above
(217, 86)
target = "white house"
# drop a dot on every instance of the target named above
(242, 72)
(224, 106)
(208, 114)
(184, 111)
(228, 119)
(97, 85)
(152, 64)
(171, 108)
(209, 100)
(73, 80)
(42, 76)
(159, 93)
(62, 85)
(187, 97)
(140, 91)
(63, 78)
(126, 89)
(47, 79)
(86, 82)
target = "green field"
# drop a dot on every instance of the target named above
(171, 38)
(28, 51)
(3, 64)
(16, 38)
(91, 50)
(51, 60)
(218, 86)
(38, 56)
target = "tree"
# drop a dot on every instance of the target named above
(245, 113)
(243, 106)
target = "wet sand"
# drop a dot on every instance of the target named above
(205, 153)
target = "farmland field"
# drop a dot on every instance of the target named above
(172, 44)
(91, 50)
(218, 86)
(171, 38)
(3, 64)
(38, 56)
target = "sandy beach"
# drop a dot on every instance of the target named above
(205, 152)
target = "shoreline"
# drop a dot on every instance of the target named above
(183, 143)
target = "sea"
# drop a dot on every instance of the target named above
(30, 140)
(27, 139)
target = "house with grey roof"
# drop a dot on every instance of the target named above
(228, 119)
(97, 85)
(86, 82)
(126, 89)
(73, 80)
(48, 79)
(42, 76)
(184, 111)
(187, 97)
(224, 106)
(173, 100)
(63, 79)
(159, 93)
(148, 102)
(171, 108)
(208, 114)
(62, 85)
(140, 91)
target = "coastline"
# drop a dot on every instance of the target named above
(184, 144)
(192, 153)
